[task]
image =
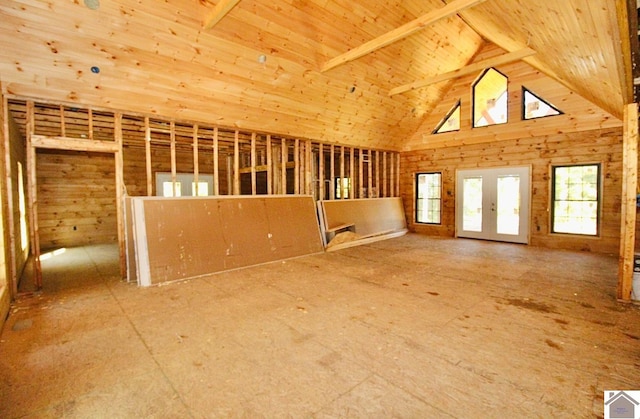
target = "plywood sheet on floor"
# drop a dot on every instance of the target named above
(179, 238)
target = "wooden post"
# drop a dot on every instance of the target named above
(352, 166)
(32, 197)
(377, 194)
(90, 116)
(384, 174)
(174, 169)
(296, 164)
(253, 163)
(397, 174)
(308, 169)
(63, 125)
(229, 174)
(369, 173)
(216, 163)
(147, 149)
(321, 189)
(119, 168)
(285, 159)
(628, 207)
(341, 185)
(7, 202)
(269, 169)
(236, 163)
(391, 175)
(196, 162)
(361, 182)
(332, 183)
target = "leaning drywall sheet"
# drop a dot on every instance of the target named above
(189, 237)
(372, 219)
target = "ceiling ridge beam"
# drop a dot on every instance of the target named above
(471, 68)
(401, 32)
(219, 11)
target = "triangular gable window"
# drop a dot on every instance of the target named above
(535, 107)
(451, 122)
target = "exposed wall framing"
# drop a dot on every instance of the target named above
(241, 163)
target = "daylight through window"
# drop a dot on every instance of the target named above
(490, 96)
(535, 107)
(428, 198)
(451, 121)
(576, 199)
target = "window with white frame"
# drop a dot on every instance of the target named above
(184, 184)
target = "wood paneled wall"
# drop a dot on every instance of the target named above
(583, 134)
(596, 146)
(579, 114)
(77, 198)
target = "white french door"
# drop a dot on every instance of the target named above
(493, 204)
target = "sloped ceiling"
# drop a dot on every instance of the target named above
(155, 57)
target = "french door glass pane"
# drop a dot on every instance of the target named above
(508, 205)
(472, 210)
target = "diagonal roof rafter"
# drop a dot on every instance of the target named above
(480, 65)
(219, 11)
(401, 32)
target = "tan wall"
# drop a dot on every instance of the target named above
(597, 146)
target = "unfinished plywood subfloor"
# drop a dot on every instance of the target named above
(408, 327)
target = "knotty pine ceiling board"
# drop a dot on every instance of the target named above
(576, 41)
(156, 59)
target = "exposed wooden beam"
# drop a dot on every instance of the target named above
(628, 207)
(219, 11)
(120, 191)
(471, 68)
(216, 163)
(623, 47)
(269, 166)
(400, 33)
(147, 152)
(6, 188)
(32, 195)
(75, 144)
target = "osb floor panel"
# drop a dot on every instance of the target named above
(409, 327)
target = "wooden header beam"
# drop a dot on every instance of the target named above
(222, 8)
(399, 33)
(471, 68)
(75, 144)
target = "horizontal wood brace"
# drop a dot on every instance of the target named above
(75, 144)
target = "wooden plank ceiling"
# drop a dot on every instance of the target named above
(258, 64)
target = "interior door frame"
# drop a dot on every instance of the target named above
(35, 142)
(525, 203)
